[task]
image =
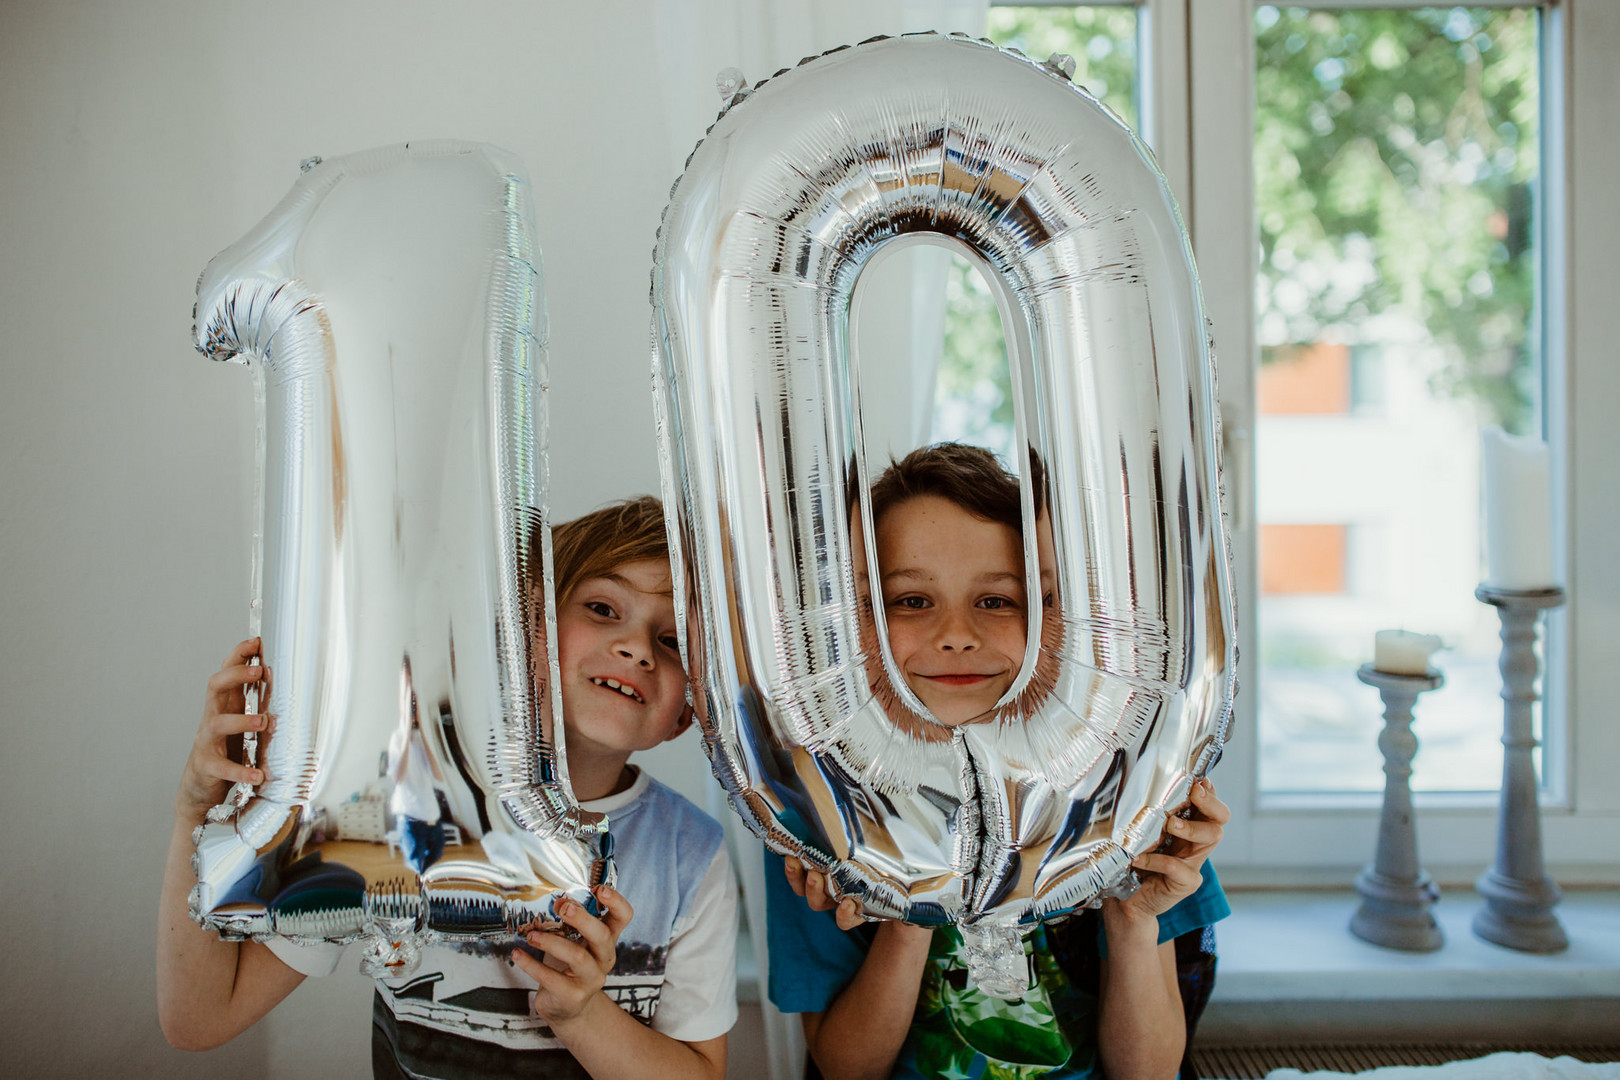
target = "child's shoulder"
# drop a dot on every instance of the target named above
(666, 849)
(658, 814)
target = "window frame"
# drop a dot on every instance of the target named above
(1197, 104)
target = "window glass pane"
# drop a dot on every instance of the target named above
(1100, 37)
(1396, 162)
(973, 392)
(973, 395)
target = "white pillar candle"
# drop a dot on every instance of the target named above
(1517, 477)
(1400, 652)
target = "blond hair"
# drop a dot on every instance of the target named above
(597, 543)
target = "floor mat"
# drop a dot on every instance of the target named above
(1253, 1063)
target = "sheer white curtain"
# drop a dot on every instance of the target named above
(900, 331)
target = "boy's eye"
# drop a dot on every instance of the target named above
(909, 603)
(597, 607)
(670, 642)
(998, 603)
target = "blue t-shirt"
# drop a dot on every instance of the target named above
(958, 1031)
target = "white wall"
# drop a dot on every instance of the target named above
(136, 140)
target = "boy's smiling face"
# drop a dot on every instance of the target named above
(953, 597)
(623, 687)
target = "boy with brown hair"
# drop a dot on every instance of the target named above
(892, 999)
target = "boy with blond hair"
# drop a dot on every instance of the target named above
(647, 989)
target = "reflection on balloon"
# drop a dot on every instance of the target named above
(1126, 690)
(392, 313)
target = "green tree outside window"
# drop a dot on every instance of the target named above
(1396, 156)
(1395, 162)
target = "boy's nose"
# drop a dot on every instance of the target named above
(957, 633)
(642, 657)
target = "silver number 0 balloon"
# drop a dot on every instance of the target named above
(1126, 690)
(393, 315)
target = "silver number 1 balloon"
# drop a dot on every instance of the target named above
(393, 315)
(1127, 686)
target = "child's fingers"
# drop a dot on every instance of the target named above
(549, 978)
(849, 914)
(232, 772)
(597, 937)
(795, 874)
(243, 652)
(241, 774)
(810, 884)
(617, 908)
(572, 954)
(527, 964)
(223, 724)
(1175, 870)
(1198, 833)
(231, 678)
(1203, 797)
(550, 982)
(816, 892)
(1180, 874)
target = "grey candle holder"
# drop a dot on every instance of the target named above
(1518, 894)
(1395, 892)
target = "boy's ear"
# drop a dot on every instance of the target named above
(682, 724)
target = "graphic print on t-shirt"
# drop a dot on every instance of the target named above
(959, 1031)
(474, 990)
(457, 998)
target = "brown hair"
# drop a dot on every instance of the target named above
(969, 476)
(596, 543)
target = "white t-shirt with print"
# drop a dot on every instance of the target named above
(676, 968)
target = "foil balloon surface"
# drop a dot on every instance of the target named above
(392, 312)
(1124, 698)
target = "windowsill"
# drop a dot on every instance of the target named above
(1371, 802)
(1290, 969)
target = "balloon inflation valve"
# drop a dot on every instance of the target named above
(1061, 64)
(732, 86)
(384, 958)
(995, 959)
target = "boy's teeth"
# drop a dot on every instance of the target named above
(627, 691)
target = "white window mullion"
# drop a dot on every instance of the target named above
(1220, 94)
(1589, 401)
(1163, 94)
(1555, 317)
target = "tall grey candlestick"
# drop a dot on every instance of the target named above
(1395, 892)
(1519, 896)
